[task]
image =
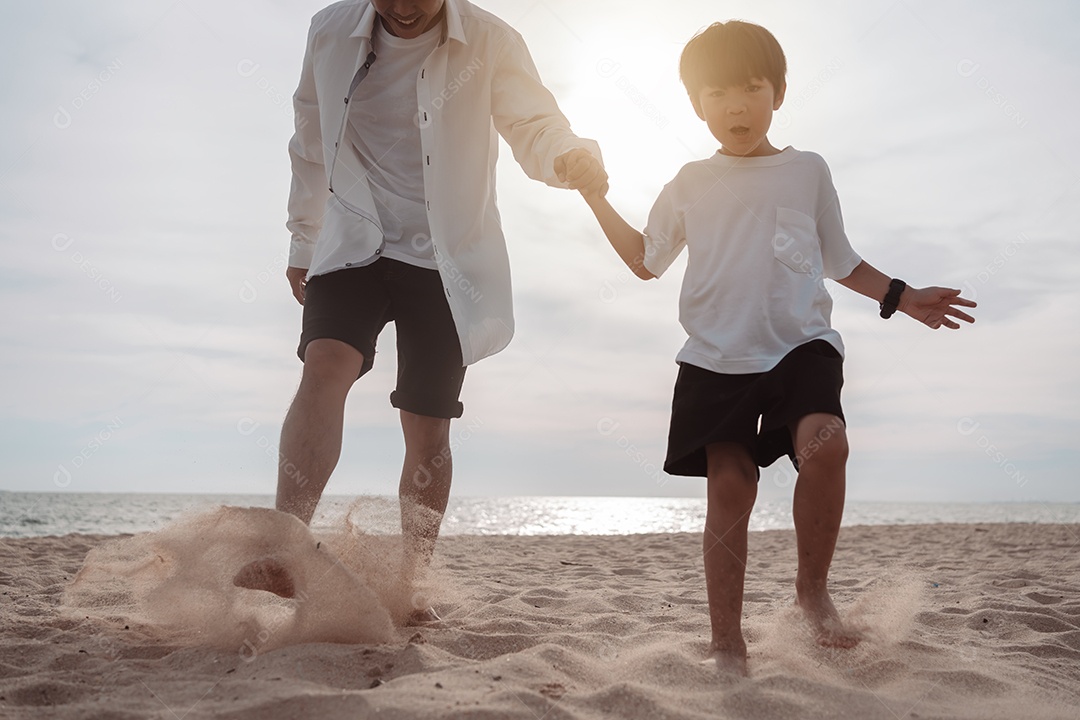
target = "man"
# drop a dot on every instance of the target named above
(393, 218)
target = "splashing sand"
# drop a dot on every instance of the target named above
(249, 578)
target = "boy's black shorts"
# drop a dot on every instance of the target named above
(711, 407)
(354, 305)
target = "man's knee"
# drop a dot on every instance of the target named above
(331, 361)
(428, 436)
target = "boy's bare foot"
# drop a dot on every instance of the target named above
(829, 629)
(266, 574)
(729, 656)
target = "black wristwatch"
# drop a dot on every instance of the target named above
(892, 298)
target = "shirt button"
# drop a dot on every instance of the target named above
(379, 251)
(348, 264)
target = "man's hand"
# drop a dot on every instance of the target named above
(296, 280)
(581, 171)
(932, 306)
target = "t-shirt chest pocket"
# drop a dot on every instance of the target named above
(795, 242)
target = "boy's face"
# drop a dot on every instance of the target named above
(409, 18)
(739, 116)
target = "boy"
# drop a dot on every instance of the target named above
(761, 372)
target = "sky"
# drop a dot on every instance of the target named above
(148, 340)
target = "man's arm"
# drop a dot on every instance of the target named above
(931, 306)
(525, 113)
(309, 191)
(628, 242)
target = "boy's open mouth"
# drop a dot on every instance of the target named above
(740, 131)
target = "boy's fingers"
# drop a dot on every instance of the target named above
(579, 169)
(588, 176)
(597, 189)
(954, 298)
(960, 314)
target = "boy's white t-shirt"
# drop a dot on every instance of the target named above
(762, 233)
(386, 134)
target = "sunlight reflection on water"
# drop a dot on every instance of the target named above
(36, 514)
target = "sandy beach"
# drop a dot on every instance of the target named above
(960, 621)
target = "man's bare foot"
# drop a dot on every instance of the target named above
(266, 574)
(829, 629)
(729, 656)
(422, 617)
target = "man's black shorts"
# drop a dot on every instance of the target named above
(355, 304)
(710, 407)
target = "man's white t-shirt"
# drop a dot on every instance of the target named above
(386, 134)
(762, 234)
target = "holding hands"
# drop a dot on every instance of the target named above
(580, 170)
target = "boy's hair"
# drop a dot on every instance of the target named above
(731, 53)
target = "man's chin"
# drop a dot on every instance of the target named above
(409, 30)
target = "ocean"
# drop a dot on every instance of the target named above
(38, 514)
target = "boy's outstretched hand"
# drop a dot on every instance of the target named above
(580, 170)
(933, 306)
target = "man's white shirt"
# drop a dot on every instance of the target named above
(478, 80)
(385, 132)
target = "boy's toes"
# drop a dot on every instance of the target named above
(838, 638)
(729, 657)
(728, 664)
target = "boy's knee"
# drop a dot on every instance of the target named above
(733, 475)
(730, 459)
(827, 444)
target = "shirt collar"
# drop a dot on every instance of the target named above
(452, 28)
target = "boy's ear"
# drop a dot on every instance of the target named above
(696, 102)
(779, 99)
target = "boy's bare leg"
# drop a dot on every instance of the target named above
(423, 493)
(822, 448)
(311, 434)
(733, 479)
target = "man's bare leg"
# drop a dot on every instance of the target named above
(311, 434)
(822, 448)
(423, 493)
(732, 492)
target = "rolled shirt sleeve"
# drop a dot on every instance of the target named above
(309, 192)
(528, 118)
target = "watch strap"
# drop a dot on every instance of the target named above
(892, 298)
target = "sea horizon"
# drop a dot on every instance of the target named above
(29, 514)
